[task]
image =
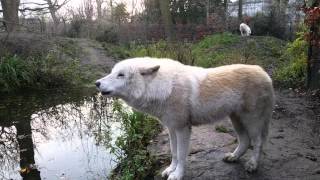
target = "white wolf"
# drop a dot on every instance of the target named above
(245, 29)
(181, 96)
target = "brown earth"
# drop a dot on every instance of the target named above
(292, 151)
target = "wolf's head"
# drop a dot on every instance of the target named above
(128, 79)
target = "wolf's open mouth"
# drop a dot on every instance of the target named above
(106, 92)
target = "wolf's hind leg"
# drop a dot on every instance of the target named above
(258, 132)
(243, 140)
(252, 164)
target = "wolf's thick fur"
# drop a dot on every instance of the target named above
(181, 96)
(245, 29)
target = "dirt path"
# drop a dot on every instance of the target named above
(292, 152)
(95, 57)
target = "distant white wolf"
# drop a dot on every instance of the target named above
(245, 29)
(181, 96)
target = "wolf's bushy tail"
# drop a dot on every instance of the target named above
(267, 114)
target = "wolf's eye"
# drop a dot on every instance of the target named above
(120, 75)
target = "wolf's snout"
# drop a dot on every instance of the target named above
(98, 84)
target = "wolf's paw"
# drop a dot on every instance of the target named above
(175, 176)
(168, 170)
(251, 166)
(229, 157)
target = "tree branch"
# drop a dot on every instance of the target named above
(34, 3)
(34, 9)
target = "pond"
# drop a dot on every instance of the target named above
(56, 135)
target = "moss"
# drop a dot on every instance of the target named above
(221, 129)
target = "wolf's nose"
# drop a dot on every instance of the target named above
(97, 84)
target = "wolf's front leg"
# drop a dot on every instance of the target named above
(173, 147)
(183, 139)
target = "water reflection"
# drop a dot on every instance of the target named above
(56, 135)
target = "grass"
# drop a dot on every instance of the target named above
(214, 50)
(14, 73)
(252, 50)
(51, 70)
(134, 160)
(42, 64)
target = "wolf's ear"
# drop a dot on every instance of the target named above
(149, 71)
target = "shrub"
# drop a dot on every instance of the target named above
(76, 27)
(135, 161)
(271, 23)
(116, 51)
(292, 71)
(14, 73)
(51, 72)
(108, 36)
(178, 51)
(38, 72)
(260, 24)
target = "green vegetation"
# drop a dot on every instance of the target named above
(292, 70)
(130, 148)
(14, 73)
(213, 50)
(221, 129)
(116, 51)
(34, 72)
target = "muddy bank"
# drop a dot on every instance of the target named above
(292, 152)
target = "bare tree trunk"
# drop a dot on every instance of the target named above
(111, 10)
(240, 10)
(313, 68)
(313, 76)
(166, 16)
(10, 14)
(53, 11)
(208, 11)
(53, 7)
(225, 13)
(225, 5)
(27, 155)
(99, 8)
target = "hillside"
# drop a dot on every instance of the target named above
(213, 50)
(32, 61)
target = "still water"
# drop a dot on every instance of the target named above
(56, 135)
